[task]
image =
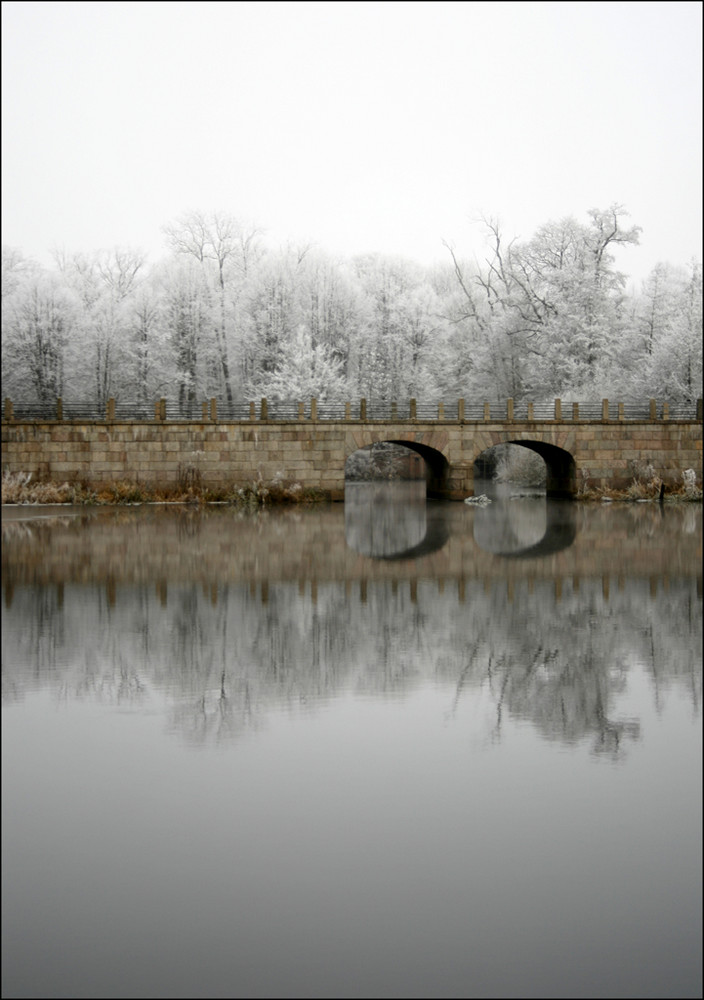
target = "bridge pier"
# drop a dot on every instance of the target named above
(561, 480)
(560, 485)
(456, 483)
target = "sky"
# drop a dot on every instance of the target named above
(360, 127)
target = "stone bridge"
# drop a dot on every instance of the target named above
(602, 450)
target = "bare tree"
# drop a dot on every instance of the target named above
(226, 249)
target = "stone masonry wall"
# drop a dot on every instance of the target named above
(314, 453)
(159, 454)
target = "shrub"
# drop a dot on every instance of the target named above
(689, 485)
(17, 488)
(646, 483)
(518, 464)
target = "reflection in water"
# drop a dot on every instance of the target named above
(526, 530)
(553, 641)
(393, 520)
(223, 658)
(168, 544)
(276, 755)
(375, 527)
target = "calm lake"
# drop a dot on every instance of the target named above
(385, 748)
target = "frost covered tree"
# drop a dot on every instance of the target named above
(150, 344)
(104, 284)
(548, 311)
(186, 316)
(659, 352)
(331, 305)
(492, 323)
(16, 268)
(275, 308)
(675, 369)
(306, 370)
(385, 340)
(39, 321)
(576, 293)
(222, 316)
(226, 250)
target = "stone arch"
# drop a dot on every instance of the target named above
(436, 463)
(560, 464)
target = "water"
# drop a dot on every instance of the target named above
(379, 749)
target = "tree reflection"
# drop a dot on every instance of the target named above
(550, 637)
(557, 658)
(566, 699)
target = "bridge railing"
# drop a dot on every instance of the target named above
(452, 410)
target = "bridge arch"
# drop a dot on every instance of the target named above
(561, 481)
(437, 466)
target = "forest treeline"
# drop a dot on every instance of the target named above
(223, 316)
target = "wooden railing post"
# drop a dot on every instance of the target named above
(8, 411)
(413, 409)
(665, 411)
(509, 410)
(263, 409)
(348, 411)
(653, 409)
(314, 409)
(301, 411)
(110, 411)
(59, 408)
(700, 409)
(204, 410)
(604, 409)
(575, 411)
(621, 412)
(531, 412)
(441, 411)
(460, 410)
(487, 411)
(362, 409)
(394, 410)
(252, 411)
(214, 410)
(558, 409)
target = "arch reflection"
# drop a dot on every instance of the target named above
(533, 528)
(392, 521)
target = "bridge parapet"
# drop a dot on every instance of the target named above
(443, 411)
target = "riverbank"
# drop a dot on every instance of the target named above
(20, 489)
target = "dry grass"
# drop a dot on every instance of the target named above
(19, 488)
(646, 485)
(639, 492)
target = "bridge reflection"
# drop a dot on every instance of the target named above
(162, 545)
(393, 521)
(527, 529)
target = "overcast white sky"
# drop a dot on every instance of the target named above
(359, 126)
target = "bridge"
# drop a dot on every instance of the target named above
(599, 445)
